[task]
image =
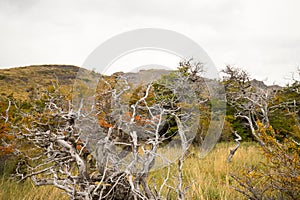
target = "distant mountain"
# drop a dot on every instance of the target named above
(145, 76)
(262, 85)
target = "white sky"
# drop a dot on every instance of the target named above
(261, 36)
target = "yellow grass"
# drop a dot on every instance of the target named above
(207, 178)
(10, 190)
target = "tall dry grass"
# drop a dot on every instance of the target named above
(11, 190)
(207, 178)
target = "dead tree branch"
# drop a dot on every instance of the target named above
(232, 151)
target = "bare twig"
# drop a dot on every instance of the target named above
(232, 151)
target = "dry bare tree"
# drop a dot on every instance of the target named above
(106, 149)
(279, 176)
(250, 101)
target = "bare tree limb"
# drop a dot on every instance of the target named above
(232, 151)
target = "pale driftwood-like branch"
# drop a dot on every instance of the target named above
(180, 189)
(6, 111)
(252, 124)
(232, 151)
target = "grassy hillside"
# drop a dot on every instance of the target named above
(20, 81)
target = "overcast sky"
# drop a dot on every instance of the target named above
(261, 36)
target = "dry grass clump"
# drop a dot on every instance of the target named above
(209, 178)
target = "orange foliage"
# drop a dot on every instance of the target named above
(140, 120)
(80, 147)
(127, 117)
(137, 118)
(6, 150)
(7, 138)
(104, 123)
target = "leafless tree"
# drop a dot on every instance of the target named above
(278, 177)
(94, 155)
(135, 136)
(250, 100)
